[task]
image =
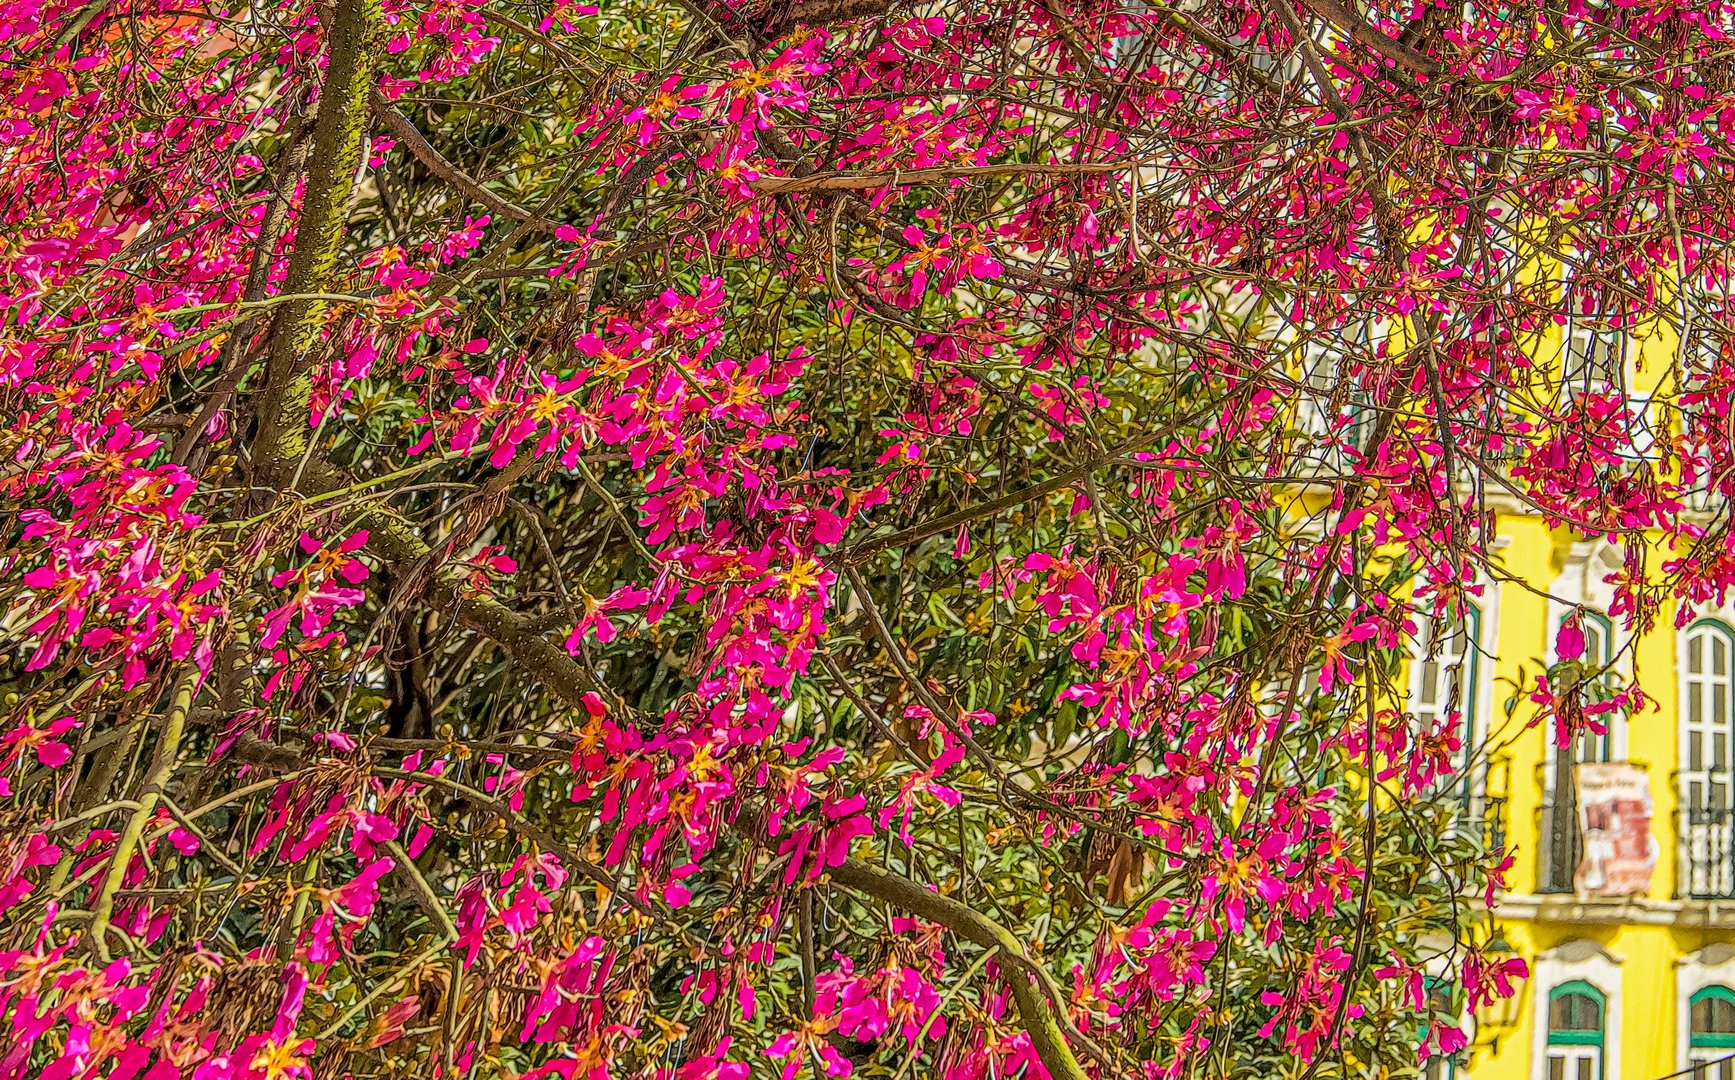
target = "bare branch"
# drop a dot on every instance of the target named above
(399, 125)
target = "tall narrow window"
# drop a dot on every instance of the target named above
(1443, 679)
(1561, 839)
(1129, 48)
(1438, 1066)
(1594, 360)
(1599, 653)
(1711, 1034)
(1707, 702)
(1332, 407)
(1575, 1032)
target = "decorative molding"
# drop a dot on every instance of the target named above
(1569, 961)
(1714, 965)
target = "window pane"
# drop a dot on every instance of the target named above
(1574, 1012)
(1713, 1014)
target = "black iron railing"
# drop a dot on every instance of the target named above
(1707, 852)
(1483, 816)
(1494, 823)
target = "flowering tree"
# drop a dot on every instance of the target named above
(702, 539)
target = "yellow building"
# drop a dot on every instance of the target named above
(1635, 987)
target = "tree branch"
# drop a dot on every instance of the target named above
(1041, 1019)
(826, 12)
(1359, 30)
(518, 635)
(892, 177)
(162, 767)
(336, 156)
(408, 134)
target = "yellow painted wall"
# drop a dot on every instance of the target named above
(1650, 1017)
(1650, 943)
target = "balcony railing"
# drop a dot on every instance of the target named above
(1483, 816)
(1493, 823)
(1707, 853)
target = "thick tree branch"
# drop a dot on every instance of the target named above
(162, 767)
(1358, 29)
(551, 665)
(826, 12)
(1032, 987)
(336, 156)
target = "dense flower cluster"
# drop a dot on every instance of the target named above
(845, 512)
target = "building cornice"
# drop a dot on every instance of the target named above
(1617, 911)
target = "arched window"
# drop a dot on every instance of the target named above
(1599, 651)
(1560, 816)
(1443, 678)
(1707, 712)
(1575, 1031)
(1711, 1034)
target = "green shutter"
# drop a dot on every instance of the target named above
(1712, 994)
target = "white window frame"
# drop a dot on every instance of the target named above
(1573, 961)
(1476, 708)
(1454, 665)
(1707, 626)
(1580, 587)
(1579, 359)
(1707, 623)
(1322, 370)
(1588, 352)
(1714, 965)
